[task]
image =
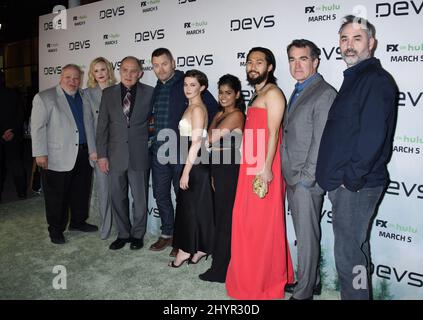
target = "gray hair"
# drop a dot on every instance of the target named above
(363, 23)
(137, 61)
(72, 66)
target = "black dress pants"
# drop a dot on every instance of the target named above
(11, 161)
(67, 193)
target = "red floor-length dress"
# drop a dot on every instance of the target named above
(260, 263)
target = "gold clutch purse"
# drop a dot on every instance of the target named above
(259, 187)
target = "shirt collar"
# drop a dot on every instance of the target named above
(361, 65)
(300, 86)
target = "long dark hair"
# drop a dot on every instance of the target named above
(235, 84)
(270, 59)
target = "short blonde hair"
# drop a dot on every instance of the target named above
(92, 82)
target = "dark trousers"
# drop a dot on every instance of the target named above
(352, 213)
(69, 190)
(163, 175)
(11, 160)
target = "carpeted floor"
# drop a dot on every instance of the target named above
(27, 259)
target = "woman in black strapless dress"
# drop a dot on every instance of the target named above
(225, 136)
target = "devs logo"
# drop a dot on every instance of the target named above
(394, 274)
(50, 26)
(407, 52)
(154, 212)
(333, 53)
(149, 6)
(115, 65)
(399, 8)
(52, 70)
(410, 99)
(195, 61)
(322, 13)
(195, 28)
(145, 36)
(79, 45)
(111, 13)
(253, 23)
(186, 1)
(241, 57)
(111, 39)
(247, 94)
(406, 189)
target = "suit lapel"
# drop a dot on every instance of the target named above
(117, 103)
(137, 103)
(304, 94)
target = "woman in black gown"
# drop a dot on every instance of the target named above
(194, 224)
(225, 136)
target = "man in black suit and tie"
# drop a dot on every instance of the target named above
(11, 139)
(122, 150)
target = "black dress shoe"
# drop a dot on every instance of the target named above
(309, 298)
(317, 290)
(84, 227)
(136, 244)
(289, 287)
(58, 239)
(118, 244)
(209, 275)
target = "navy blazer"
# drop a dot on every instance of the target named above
(357, 140)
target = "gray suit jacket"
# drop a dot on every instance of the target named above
(303, 126)
(93, 96)
(53, 129)
(125, 145)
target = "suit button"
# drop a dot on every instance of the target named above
(96, 111)
(126, 141)
(76, 144)
(76, 131)
(286, 131)
(128, 127)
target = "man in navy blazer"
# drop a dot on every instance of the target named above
(355, 148)
(168, 103)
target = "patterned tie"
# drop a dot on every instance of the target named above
(127, 104)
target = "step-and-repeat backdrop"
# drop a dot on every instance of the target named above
(214, 36)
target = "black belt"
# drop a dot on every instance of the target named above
(83, 146)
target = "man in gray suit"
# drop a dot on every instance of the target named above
(62, 140)
(303, 123)
(122, 150)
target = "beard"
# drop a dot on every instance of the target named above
(353, 60)
(253, 81)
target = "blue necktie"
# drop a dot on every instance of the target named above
(294, 95)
